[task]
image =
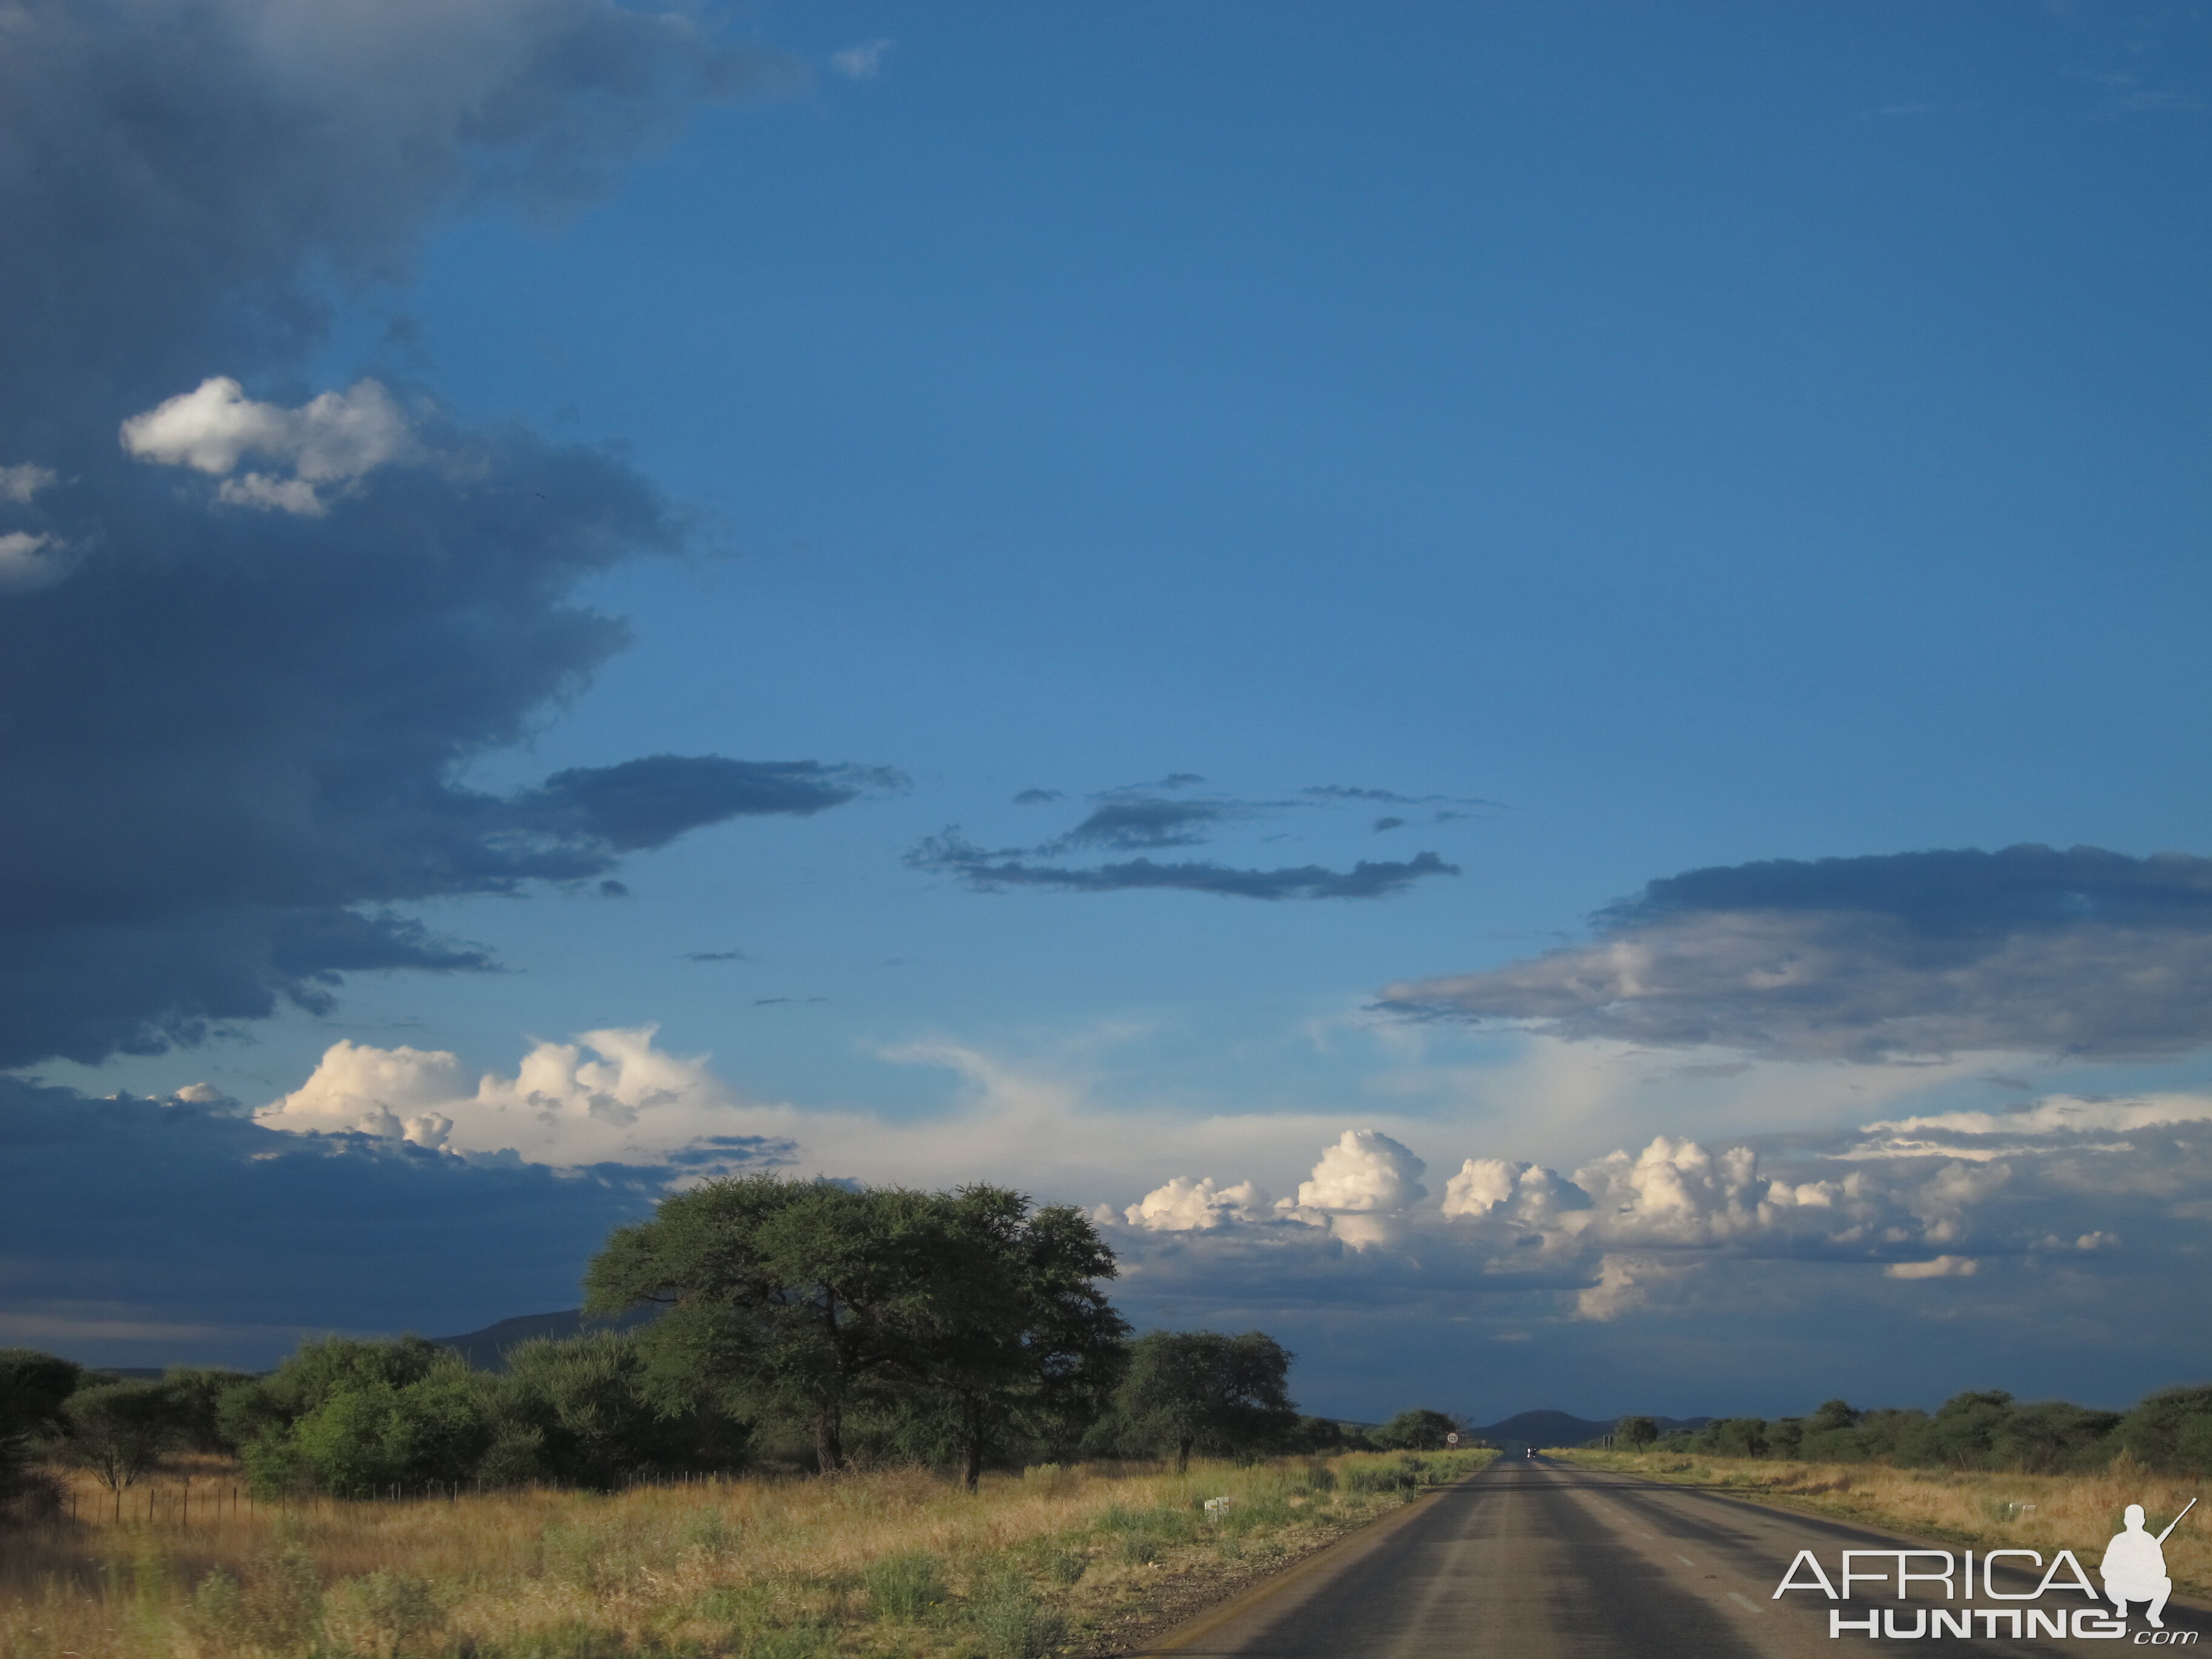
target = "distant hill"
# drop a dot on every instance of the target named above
(486, 1350)
(1557, 1429)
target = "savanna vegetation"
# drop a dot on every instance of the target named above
(867, 1421)
(1983, 1469)
(2169, 1432)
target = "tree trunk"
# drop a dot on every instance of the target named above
(974, 1471)
(829, 1444)
(1183, 1457)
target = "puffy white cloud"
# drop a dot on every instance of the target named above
(1943, 1266)
(19, 484)
(1526, 1199)
(1362, 1189)
(628, 1102)
(335, 438)
(1625, 1283)
(29, 562)
(1366, 1172)
(1186, 1205)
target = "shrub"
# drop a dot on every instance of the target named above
(2171, 1430)
(119, 1430)
(907, 1587)
(1364, 1482)
(1012, 1623)
(383, 1615)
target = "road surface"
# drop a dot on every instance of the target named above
(1536, 1559)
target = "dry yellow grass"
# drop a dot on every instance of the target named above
(893, 1562)
(2045, 1512)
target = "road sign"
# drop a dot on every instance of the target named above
(1452, 1440)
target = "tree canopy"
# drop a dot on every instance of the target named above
(1418, 1428)
(955, 1317)
(1202, 1391)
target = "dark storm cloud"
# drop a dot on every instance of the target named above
(1125, 823)
(1341, 791)
(647, 803)
(182, 178)
(1893, 956)
(1136, 818)
(235, 705)
(949, 854)
(142, 1231)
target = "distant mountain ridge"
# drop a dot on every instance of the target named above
(486, 1350)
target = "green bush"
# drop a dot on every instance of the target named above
(905, 1587)
(388, 1614)
(1367, 1481)
(2171, 1430)
(1012, 1624)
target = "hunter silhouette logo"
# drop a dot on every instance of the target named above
(2133, 1568)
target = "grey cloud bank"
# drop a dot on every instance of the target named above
(251, 638)
(951, 854)
(147, 1233)
(1903, 956)
(1135, 819)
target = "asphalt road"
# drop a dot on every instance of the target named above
(1536, 1559)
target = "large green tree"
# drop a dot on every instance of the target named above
(1020, 1343)
(809, 1302)
(1202, 1391)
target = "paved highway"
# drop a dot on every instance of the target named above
(1535, 1560)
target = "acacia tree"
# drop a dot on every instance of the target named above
(803, 1301)
(1021, 1341)
(1199, 1390)
(1416, 1429)
(119, 1430)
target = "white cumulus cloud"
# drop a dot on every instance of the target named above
(1943, 1266)
(610, 1096)
(19, 484)
(29, 562)
(333, 440)
(1363, 1189)
(1625, 1283)
(1183, 1205)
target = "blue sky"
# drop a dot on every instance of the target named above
(1388, 487)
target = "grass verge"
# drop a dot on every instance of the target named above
(2043, 1512)
(896, 1564)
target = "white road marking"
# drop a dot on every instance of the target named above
(1748, 1607)
(1684, 1560)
